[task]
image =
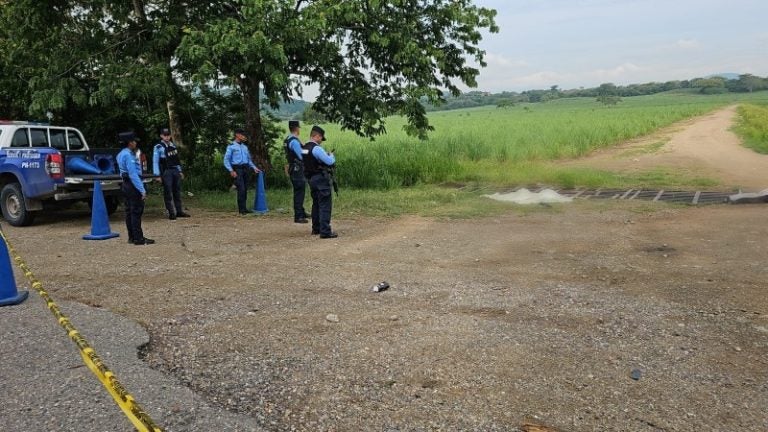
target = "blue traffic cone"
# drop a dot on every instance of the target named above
(99, 220)
(260, 202)
(8, 294)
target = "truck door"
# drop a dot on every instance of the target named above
(29, 149)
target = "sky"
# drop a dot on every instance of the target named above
(584, 43)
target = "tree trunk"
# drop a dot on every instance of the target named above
(253, 125)
(175, 123)
(138, 9)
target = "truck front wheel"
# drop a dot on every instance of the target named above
(13, 206)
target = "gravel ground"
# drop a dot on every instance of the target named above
(585, 316)
(46, 386)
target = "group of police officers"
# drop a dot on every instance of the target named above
(307, 163)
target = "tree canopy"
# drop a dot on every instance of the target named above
(155, 62)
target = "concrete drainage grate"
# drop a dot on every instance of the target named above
(673, 196)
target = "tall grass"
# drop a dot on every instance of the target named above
(494, 145)
(753, 127)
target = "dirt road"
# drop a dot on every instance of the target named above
(701, 147)
(611, 316)
(489, 322)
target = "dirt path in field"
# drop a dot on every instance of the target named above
(701, 147)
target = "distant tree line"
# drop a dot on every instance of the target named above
(606, 93)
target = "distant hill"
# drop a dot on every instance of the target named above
(471, 99)
(289, 111)
(726, 75)
(286, 111)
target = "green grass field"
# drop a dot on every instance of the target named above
(427, 200)
(502, 147)
(753, 126)
(513, 146)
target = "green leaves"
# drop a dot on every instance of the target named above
(369, 58)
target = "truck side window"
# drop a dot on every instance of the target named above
(58, 139)
(75, 143)
(39, 137)
(20, 138)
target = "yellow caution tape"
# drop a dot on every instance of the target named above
(141, 420)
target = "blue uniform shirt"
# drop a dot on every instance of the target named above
(127, 163)
(322, 156)
(160, 153)
(295, 146)
(237, 154)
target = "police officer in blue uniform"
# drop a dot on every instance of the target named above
(317, 166)
(237, 160)
(295, 170)
(132, 187)
(167, 165)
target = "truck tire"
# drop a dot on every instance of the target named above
(13, 206)
(110, 202)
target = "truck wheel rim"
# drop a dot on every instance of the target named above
(12, 204)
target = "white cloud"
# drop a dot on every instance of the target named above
(687, 44)
(497, 80)
(538, 79)
(498, 60)
(618, 72)
(762, 38)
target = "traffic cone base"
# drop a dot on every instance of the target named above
(260, 202)
(8, 294)
(99, 219)
(18, 298)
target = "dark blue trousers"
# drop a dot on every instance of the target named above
(296, 171)
(241, 183)
(172, 191)
(322, 203)
(134, 209)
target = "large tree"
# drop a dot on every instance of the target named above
(106, 63)
(109, 64)
(370, 58)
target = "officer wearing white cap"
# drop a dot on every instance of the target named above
(237, 160)
(317, 166)
(167, 165)
(132, 187)
(295, 170)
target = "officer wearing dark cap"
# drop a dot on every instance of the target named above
(167, 165)
(132, 187)
(295, 170)
(237, 160)
(317, 166)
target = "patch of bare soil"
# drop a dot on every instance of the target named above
(701, 147)
(614, 316)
